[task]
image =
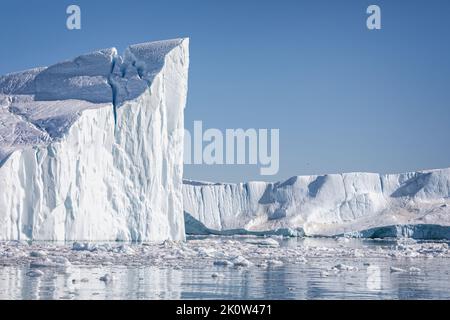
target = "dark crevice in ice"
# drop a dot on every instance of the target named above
(114, 90)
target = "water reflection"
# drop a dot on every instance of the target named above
(373, 281)
(311, 280)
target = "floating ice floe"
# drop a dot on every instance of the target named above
(414, 270)
(223, 263)
(217, 275)
(240, 261)
(52, 262)
(267, 242)
(396, 269)
(35, 273)
(275, 263)
(107, 278)
(343, 267)
(38, 254)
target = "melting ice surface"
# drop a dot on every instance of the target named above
(227, 268)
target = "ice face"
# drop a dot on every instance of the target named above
(322, 205)
(91, 149)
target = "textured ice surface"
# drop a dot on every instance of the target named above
(231, 252)
(92, 148)
(413, 204)
(227, 268)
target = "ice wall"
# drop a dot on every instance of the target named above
(322, 205)
(92, 149)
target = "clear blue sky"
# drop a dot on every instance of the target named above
(344, 98)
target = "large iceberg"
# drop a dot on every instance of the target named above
(358, 204)
(92, 148)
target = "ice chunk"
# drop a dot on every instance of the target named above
(240, 261)
(38, 254)
(107, 278)
(396, 269)
(344, 267)
(92, 148)
(269, 242)
(223, 263)
(35, 273)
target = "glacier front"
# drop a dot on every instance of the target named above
(92, 148)
(415, 204)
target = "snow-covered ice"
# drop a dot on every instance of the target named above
(369, 205)
(92, 148)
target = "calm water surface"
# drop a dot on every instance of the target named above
(373, 280)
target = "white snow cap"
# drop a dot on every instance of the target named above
(38, 106)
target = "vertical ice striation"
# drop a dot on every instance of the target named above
(320, 205)
(92, 149)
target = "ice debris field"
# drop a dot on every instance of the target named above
(233, 252)
(232, 267)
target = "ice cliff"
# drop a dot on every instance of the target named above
(360, 204)
(92, 148)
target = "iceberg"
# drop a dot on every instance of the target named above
(92, 148)
(415, 205)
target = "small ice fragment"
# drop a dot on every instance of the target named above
(38, 254)
(268, 242)
(107, 278)
(301, 260)
(223, 263)
(324, 274)
(54, 262)
(85, 246)
(35, 273)
(217, 275)
(240, 261)
(262, 265)
(43, 263)
(358, 254)
(343, 267)
(414, 270)
(126, 250)
(61, 261)
(395, 269)
(275, 263)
